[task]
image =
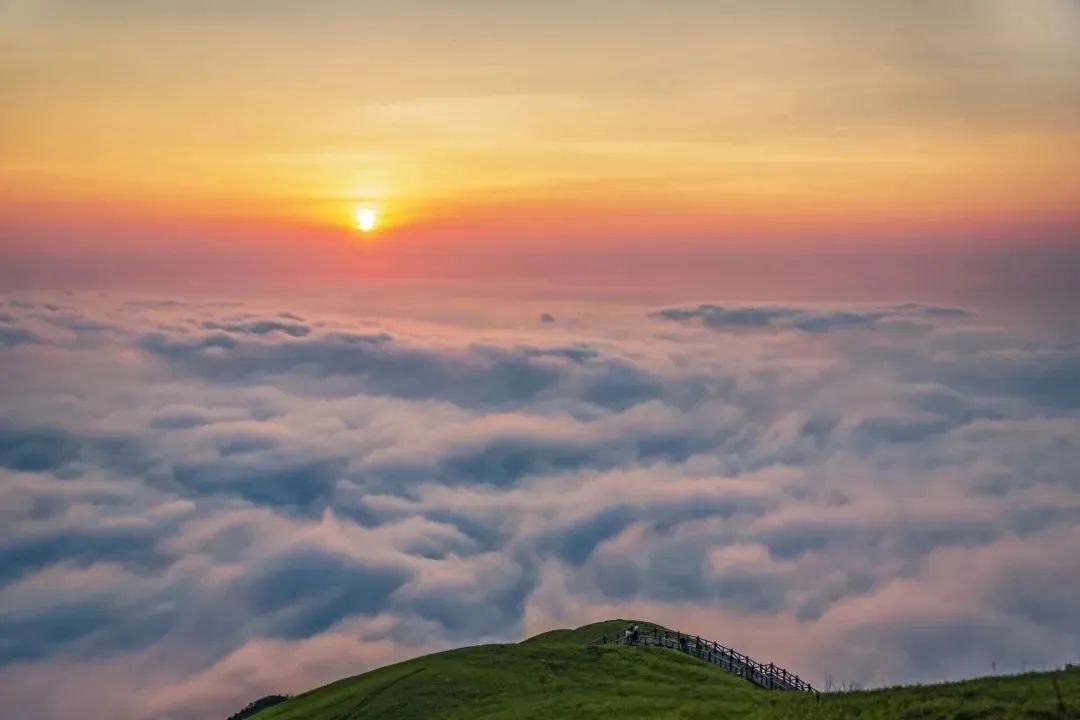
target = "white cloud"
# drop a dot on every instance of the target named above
(204, 489)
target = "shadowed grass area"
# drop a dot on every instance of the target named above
(564, 674)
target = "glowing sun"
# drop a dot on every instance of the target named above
(366, 219)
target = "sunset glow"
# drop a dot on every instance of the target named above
(337, 333)
(894, 128)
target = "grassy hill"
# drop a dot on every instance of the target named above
(562, 674)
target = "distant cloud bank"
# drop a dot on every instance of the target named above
(217, 501)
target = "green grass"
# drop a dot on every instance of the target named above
(562, 674)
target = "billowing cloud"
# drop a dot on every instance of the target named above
(808, 320)
(191, 492)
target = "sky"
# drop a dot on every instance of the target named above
(487, 134)
(753, 319)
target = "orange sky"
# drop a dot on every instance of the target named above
(587, 126)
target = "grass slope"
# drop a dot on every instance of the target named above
(560, 674)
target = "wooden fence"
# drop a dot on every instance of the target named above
(766, 675)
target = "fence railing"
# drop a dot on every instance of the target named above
(766, 675)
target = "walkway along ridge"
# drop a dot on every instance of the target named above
(765, 675)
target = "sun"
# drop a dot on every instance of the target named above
(366, 219)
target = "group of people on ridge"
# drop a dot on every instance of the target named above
(632, 635)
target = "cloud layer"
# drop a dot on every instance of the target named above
(216, 501)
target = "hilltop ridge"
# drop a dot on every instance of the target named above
(571, 673)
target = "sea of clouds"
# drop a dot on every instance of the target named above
(201, 503)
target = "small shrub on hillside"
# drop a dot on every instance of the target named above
(260, 704)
